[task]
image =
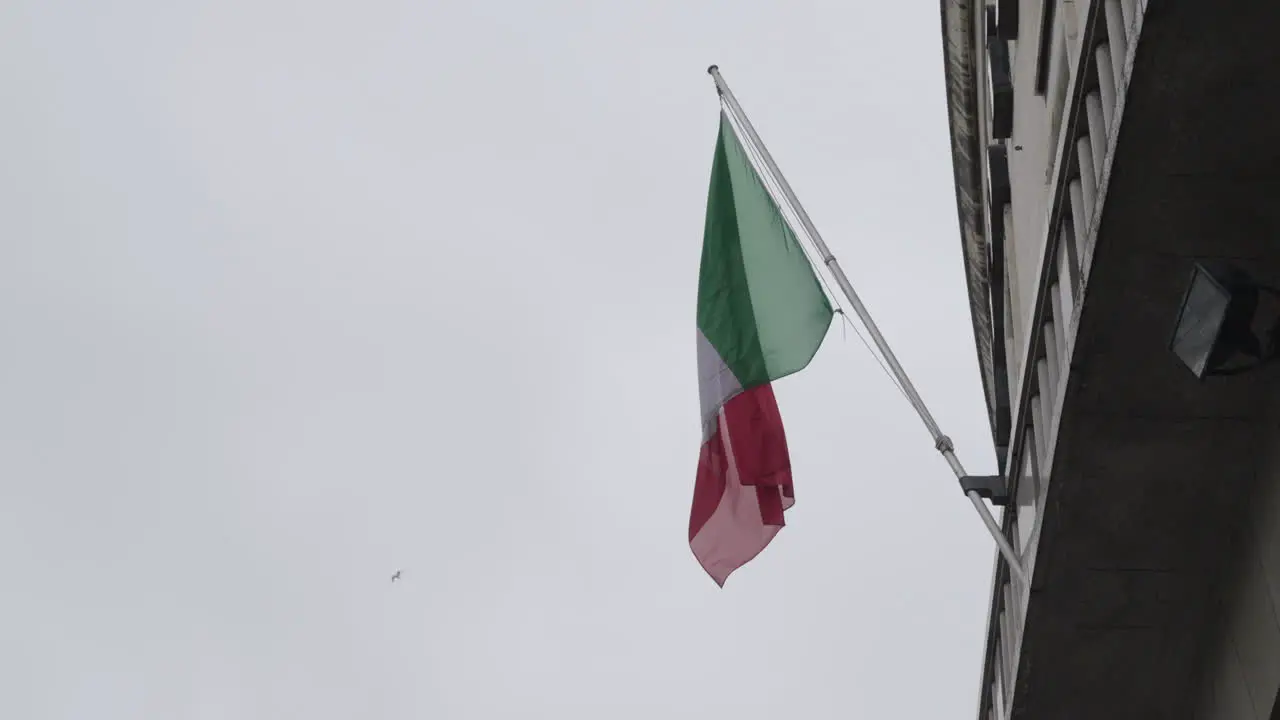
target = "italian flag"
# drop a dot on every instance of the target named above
(761, 316)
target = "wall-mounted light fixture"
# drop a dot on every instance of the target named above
(1215, 323)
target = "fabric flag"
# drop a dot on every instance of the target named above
(761, 316)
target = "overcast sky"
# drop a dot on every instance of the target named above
(296, 294)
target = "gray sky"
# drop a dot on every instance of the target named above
(294, 294)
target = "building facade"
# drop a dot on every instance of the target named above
(1102, 148)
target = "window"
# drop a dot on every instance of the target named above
(998, 176)
(1008, 19)
(999, 79)
(1047, 12)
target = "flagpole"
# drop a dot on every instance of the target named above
(941, 441)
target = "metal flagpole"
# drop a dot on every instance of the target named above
(941, 441)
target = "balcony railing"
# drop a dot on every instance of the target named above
(1101, 63)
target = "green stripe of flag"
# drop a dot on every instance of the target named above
(759, 302)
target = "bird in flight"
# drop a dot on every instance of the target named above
(396, 576)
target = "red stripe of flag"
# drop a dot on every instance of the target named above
(743, 484)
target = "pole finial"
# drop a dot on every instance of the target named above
(713, 69)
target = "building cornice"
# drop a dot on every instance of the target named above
(961, 69)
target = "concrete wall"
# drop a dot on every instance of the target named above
(1028, 175)
(1158, 586)
(1242, 660)
(1037, 132)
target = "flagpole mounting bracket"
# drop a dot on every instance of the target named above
(989, 487)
